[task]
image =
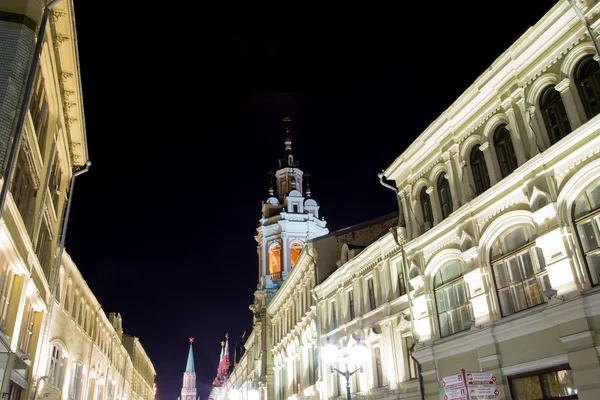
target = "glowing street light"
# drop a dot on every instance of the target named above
(355, 356)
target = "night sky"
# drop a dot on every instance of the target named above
(183, 110)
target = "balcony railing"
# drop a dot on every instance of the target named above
(275, 276)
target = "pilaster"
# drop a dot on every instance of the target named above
(489, 162)
(566, 93)
(515, 134)
(452, 181)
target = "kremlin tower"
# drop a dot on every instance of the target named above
(222, 370)
(188, 391)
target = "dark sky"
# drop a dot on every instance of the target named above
(183, 110)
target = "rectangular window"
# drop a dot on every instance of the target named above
(412, 366)
(22, 188)
(56, 367)
(453, 307)
(371, 290)
(351, 304)
(378, 371)
(38, 108)
(68, 297)
(75, 387)
(7, 277)
(26, 327)
(520, 280)
(553, 383)
(298, 377)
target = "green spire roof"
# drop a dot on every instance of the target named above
(190, 363)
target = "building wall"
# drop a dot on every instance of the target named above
(142, 386)
(515, 176)
(53, 145)
(84, 357)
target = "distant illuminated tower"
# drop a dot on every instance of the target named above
(222, 370)
(290, 217)
(188, 391)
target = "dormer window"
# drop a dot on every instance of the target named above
(295, 207)
(275, 261)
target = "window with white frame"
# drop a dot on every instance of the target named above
(586, 217)
(7, 277)
(452, 298)
(519, 272)
(26, 327)
(76, 381)
(55, 375)
(401, 281)
(555, 116)
(378, 373)
(443, 187)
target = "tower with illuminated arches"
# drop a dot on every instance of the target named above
(290, 217)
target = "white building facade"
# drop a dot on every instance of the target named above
(501, 201)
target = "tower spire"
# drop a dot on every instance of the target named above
(190, 361)
(188, 391)
(288, 137)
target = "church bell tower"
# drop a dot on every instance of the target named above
(290, 217)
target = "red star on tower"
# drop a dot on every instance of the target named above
(191, 340)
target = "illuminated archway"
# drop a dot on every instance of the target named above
(295, 249)
(275, 259)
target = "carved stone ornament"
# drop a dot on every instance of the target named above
(62, 78)
(59, 40)
(55, 15)
(67, 94)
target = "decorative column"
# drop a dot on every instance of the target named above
(452, 181)
(458, 167)
(529, 122)
(435, 205)
(408, 221)
(388, 350)
(515, 135)
(564, 87)
(490, 164)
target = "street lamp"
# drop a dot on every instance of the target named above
(355, 355)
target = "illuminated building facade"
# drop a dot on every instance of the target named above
(142, 386)
(501, 196)
(290, 218)
(52, 147)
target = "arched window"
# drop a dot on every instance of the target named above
(275, 261)
(519, 272)
(451, 296)
(295, 250)
(56, 370)
(505, 151)
(586, 216)
(587, 79)
(426, 206)
(443, 188)
(480, 171)
(555, 117)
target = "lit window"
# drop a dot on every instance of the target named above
(452, 298)
(275, 261)
(586, 216)
(426, 206)
(519, 272)
(295, 250)
(555, 383)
